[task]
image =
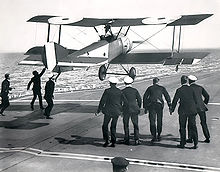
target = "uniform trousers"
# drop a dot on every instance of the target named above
(105, 131)
(49, 106)
(155, 113)
(37, 93)
(5, 103)
(134, 119)
(203, 123)
(192, 127)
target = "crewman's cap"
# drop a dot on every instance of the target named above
(128, 80)
(113, 80)
(7, 75)
(192, 77)
(156, 80)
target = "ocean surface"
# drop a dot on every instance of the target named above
(80, 79)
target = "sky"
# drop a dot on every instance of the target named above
(17, 35)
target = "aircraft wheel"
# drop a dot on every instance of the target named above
(102, 72)
(132, 73)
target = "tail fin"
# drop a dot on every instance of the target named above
(53, 53)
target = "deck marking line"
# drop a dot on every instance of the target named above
(158, 164)
(218, 104)
(58, 100)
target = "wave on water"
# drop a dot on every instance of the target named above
(80, 79)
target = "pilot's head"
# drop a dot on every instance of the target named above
(184, 79)
(35, 73)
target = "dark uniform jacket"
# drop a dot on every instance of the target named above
(154, 94)
(49, 89)
(36, 81)
(199, 92)
(186, 97)
(111, 102)
(5, 88)
(133, 101)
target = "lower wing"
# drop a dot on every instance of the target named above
(166, 58)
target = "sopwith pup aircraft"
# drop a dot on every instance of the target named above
(111, 48)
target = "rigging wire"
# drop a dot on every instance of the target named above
(148, 38)
(146, 41)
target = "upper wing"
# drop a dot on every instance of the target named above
(160, 58)
(119, 22)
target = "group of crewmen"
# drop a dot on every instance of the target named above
(114, 102)
(36, 80)
(192, 99)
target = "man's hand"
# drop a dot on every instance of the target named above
(171, 110)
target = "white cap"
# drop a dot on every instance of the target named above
(192, 77)
(128, 80)
(113, 80)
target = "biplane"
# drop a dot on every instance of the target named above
(111, 48)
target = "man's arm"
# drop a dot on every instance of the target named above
(29, 84)
(102, 102)
(145, 98)
(205, 95)
(174, 102)
(139, 101)
(167, 97)
(42, 72)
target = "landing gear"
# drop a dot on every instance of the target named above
(103, 72)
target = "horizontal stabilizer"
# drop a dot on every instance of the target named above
(33, 60)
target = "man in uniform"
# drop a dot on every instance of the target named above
(200, 92)
(49, 90)
(4, 93)
(153, 101)
(111, 106)
(187, 110)
(36, 88)
(131, 110)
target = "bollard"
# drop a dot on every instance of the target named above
(119, 164)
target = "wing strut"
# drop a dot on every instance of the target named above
(59, 34)
(118, 33)
(173, 40)
(127, 30)
(179, 39)
(48, 33)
